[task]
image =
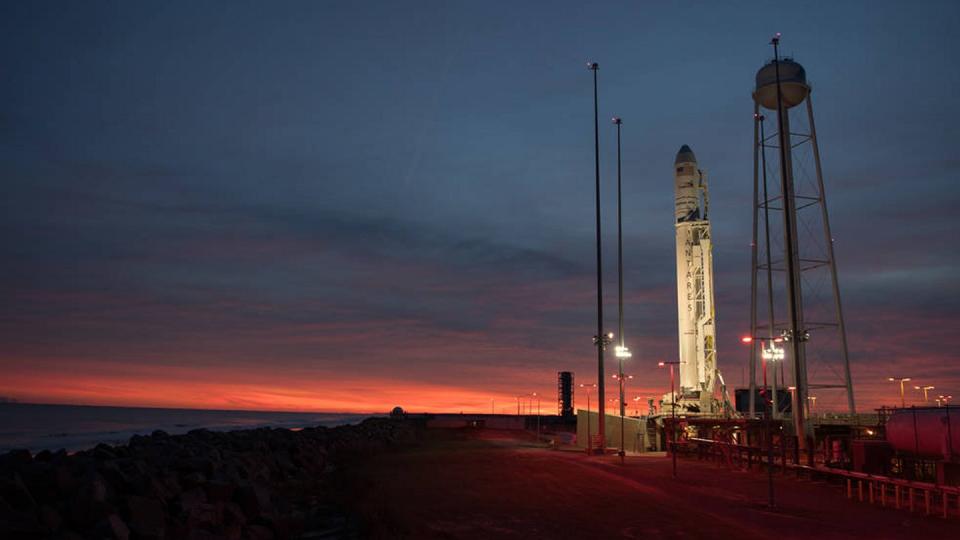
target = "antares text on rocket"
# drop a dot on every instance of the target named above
(695, 298)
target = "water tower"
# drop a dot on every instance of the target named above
(794, 258)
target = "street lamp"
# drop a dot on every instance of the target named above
(901, 380)
(673, 422)
(601, 341)
(538, 414)
(587, 388)
(622, 353)
(924, 389)
(636, 406)
(942, 400)
(813, 402)
(772, 354)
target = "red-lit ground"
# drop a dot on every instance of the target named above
(491, 485)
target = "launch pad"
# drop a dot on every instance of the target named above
(698, 391)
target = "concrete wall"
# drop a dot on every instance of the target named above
(634, 431)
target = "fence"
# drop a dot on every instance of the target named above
(873, 489)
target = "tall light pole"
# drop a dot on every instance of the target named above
(622, 351)
(673, 415)
(598, 339)
(587, 388)
(925, 389)
(795, 334)
(901, 380)
(766, 219)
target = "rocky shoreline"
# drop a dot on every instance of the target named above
(247, 484)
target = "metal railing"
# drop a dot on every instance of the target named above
(897, 493)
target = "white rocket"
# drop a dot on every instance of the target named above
(695, 299)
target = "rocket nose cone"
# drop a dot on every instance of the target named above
(685, 155)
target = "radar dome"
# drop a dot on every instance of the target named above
(793, 84)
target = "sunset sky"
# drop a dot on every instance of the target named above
(346, 206)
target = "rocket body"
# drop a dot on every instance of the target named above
(695, 293)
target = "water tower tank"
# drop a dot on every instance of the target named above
(793, 84)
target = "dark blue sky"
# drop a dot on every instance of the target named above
(310, 202)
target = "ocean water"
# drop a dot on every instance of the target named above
(76, 427)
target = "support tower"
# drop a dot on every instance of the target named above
(795, 296)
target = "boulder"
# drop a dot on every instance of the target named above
(112, 527)
(147, 517)
(219, 491)
(104, 452)
(50, 518)
(233, 520)
(253, 500)
(15, 459)
(89, 504)
(257, 532)
(16, 494)
(205, 516)
(191, 498)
